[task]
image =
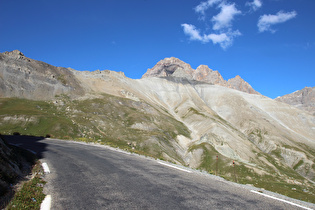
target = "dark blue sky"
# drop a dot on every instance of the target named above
(269, 43)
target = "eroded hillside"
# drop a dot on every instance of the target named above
(23, 77)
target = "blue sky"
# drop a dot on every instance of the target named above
(269, 43)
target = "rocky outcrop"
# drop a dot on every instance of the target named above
(23, 77)
(238, 83)
(205, 74)
(16, 54)
(170, 67)
(174, 67)
(303, 99)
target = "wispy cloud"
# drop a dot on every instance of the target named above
(203, 6)
(192, 32)
(223, 32)
(225, 17)
(266, 21)
(254, 5)
(222, 23)
(225, 40)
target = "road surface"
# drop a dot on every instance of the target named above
(84, 176)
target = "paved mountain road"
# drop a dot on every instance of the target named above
(95, 177)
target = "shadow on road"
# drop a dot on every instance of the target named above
(30, 143)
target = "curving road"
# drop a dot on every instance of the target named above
(87, 176)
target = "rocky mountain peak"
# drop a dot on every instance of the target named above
(170, 67)
(14, 53)
(23, 77)
(303, 99)
(203, 68)
(205, 74)
(176, 68)
(238, 83)
(201, 72)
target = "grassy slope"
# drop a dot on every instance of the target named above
(281, 178)
(107, 119)
(36, 118)
(30, 195)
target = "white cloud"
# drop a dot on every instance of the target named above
(225, 17)
(222, 22)
(266, 21)
(203, 6)
(191, 31)
(224, 39)
(217, 38)
(254, 5)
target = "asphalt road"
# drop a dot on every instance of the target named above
(96, 177)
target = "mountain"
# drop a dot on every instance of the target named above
(23, 77)
(190, 117)
(176, 68)
(303, 99)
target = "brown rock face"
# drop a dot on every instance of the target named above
(174, 67)
(23, 77)
(303, 99)
(205, 74)
(238, 83)
(14, 53)
(170, 67)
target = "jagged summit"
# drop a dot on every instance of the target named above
(238, 83)
(14, 52)
(303, 99)
(177, 68)
(205, 74)
(170, 67)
